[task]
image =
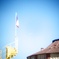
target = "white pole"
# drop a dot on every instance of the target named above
(15, 24)
(16, 37)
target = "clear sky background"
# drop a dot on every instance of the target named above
(39, 24)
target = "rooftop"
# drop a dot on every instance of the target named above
(52, 48)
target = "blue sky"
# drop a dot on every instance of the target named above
(39, 24)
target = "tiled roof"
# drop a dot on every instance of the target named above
(52, 48)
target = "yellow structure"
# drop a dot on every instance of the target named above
(10, 52)
(0, 54)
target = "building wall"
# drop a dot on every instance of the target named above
(37, 57)
(45, 56)
(41, 56)
(54, 56)
(28, 57)
(32, 57)
(48, 56)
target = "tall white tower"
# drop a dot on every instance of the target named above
(12, 51)
(16, 26)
